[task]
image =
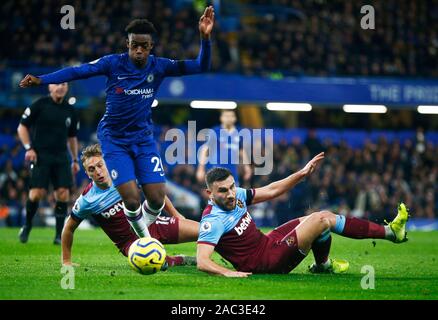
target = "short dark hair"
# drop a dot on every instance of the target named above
(216, 174)
(140, 26)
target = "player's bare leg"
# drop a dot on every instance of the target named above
(132, 207)
(188, 230)
(62, 196)
(311, 227)
(35, 196)
(315, 231)
(154, 203)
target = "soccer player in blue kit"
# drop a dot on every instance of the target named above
(227, 142)
(126, 129)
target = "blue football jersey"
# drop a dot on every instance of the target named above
(227, 151)
(97, 202)
(130, 90)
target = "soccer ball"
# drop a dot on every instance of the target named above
(147, 255)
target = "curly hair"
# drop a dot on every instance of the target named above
(140, 26)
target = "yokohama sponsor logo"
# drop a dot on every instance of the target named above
(112, 211)
(139, 91)
(244, 224)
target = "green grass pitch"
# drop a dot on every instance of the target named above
(33, 271)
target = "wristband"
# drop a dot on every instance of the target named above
(27, 146)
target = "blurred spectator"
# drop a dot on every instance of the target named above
(367, 182)
(272, 37)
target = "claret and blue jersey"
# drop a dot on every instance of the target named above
(233, 233)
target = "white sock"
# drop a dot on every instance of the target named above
(137, 222)
(326, 264)
(150, 214)
(389, 234)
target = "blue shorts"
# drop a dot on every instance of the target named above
(140, 162)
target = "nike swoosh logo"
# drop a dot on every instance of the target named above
(122, 78)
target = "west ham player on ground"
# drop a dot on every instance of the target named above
(101, 201)
(126, 130)
(227, 227)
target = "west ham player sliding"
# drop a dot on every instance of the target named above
(227, 227)
(101, 200)
(126, 130)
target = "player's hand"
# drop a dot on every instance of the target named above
(206, 22)
(312, 164)
(200, 175)
(30, 156)
(237, 274)
(29, 81)
(75, 168)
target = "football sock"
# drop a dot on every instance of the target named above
(137, 222)
(321, 247)
(60, 213)
(149, 213)
(174, 261)
(31, 209)
(359, 229)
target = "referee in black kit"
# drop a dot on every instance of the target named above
(45, 130)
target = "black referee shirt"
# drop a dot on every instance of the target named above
(50, 124)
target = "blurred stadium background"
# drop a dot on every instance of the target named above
(311, 51)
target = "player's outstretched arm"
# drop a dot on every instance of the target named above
(203, 62)
(279, 187)
(67, 241)
(84, 71)
(200, 171)
(204, 263)
(170, 209)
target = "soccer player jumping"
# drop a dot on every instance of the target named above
(227, 227)
(126, 129)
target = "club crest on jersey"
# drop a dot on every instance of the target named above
(290, 241)
(206, 226)
(240, 204)
(114, 174)
(150, 78)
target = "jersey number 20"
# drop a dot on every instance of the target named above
(158, 164)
